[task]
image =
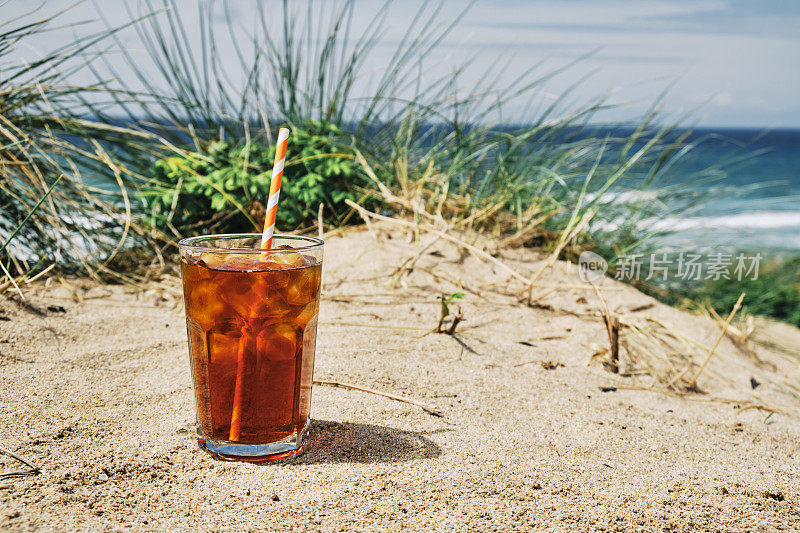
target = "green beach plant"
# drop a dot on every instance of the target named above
(444, 313)
(222, 188)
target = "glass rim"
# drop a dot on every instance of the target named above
(190, 243)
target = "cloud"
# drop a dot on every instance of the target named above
(723, 99)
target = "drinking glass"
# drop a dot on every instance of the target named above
(251, 321)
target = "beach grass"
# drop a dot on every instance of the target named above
(50, 214)
(775, 292)
(187, 150)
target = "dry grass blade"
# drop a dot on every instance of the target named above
(612, 328)
(733, 312)
(363, 213)
(739, 337)
(106, 159)
(566, 237)
(11, 280)
(408, 265)
(377, 326)
(366, 214)
(457, 319)
(384, 190)
(48, 129)
(34, 470)
(426, 408)
(780, 383)
(612, 325)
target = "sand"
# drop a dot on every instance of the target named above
(96, 391)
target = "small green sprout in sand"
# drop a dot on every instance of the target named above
(445, 312)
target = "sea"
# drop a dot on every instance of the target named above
(754, 201)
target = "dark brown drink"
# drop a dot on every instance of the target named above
(251, 320)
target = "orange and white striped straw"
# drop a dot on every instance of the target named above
(266, 244)
(275, 189)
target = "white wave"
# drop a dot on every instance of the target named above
(624, 197)
(742, 221)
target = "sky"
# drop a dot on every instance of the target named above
(729, 63)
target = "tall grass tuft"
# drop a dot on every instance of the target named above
(47, 135)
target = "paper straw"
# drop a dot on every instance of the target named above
(275, 189)
(266, 244)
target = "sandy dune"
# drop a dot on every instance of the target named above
(97, 393)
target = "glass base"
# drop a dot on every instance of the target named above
(255, 453)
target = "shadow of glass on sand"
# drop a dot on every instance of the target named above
(346, 442)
